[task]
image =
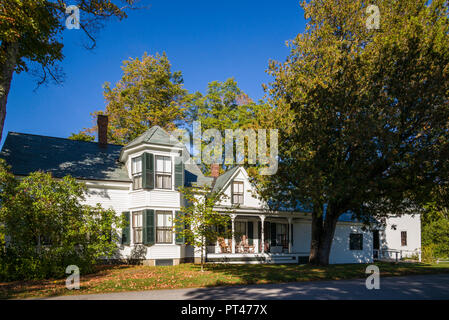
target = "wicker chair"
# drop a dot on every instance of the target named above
(223, 246)
(246, 247)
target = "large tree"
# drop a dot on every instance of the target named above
(148, 94)
(368, 123)
(223, 107)
(31, 35)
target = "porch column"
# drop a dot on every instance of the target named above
(233, 236)
(262, 233)
(289, 234)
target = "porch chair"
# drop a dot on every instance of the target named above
(223, 246)
(246, 247)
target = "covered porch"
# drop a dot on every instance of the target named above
(256, 238)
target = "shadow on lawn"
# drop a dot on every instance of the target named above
(295, 285)
(52, 287)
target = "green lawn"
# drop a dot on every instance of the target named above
(134, 278)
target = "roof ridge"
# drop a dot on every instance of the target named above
(156, 127)
(45, 136)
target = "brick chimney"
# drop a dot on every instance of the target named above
(102, 123)
(214, 170)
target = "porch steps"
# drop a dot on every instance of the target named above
(270, 258)
(281, 259)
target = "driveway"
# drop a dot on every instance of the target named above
(391, 288)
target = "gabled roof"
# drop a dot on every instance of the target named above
(155, 135)
(194, 176)
(222, 180)
(26, 153)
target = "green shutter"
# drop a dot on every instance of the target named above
(149, 227)
(148, 170)
(291, 235)
(250, 233)
(179, 172)
(126, 229)
(179, 239)
(273, 233)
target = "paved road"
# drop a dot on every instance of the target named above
(393, 288)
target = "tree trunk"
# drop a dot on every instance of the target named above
(202, 254)
(323, 230)
(317, 230)
(10, 51)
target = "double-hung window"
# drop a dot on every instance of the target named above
(403, 238)
(163, 172)
(137, 226)
(136, 170)
(164, 227)
(356, 241)
(237, 192)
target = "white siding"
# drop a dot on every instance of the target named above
(392, 234)
(164, 199)
(301, 237)
(249, 199)
(139, 198)
(340, 252)
(108, 198)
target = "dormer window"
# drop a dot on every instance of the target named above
(163, 172)
(136, 170)
(237, 192)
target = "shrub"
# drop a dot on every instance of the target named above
(49, 227)
(435, 236)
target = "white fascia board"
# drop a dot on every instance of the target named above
(145, 146)
(98, 184)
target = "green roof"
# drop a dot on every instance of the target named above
(155, 135)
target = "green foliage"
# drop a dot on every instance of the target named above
(369, 118)
(37, 25)
(82, 136)
(224, 106)
(200, 223)
(435, 235)
(48, 227)
(148, 94)
(428, 253)
(31, 36)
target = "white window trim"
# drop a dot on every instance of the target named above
(171, 174)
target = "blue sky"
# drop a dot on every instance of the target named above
(206, 40)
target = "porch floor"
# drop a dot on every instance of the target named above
(249, 258)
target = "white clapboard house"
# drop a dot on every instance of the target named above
(140, 181)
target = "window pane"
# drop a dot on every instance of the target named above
(138, 235)
(167, 182)
(159, 164)
(167, 165)
(164, 235)
(403, 238)
(356, 241)
(137, 182)
(164, 219)
(137, 165)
